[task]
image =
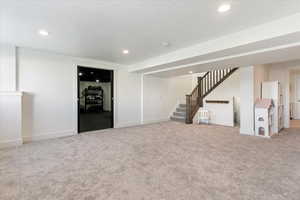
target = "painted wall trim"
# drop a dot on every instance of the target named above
(156, 121)
(8, 68)
(11, 93)
(75, 90)
(127, 124)
(50, 135)
(132, 124)
(10, 143)
(142, 99)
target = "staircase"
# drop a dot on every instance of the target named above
(206, 84)
(180, 113)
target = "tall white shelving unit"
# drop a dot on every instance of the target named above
(272, 90)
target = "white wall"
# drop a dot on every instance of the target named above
(128, 98)
(293, 94)
(49, 82)
(7, 67)
(10, 100)
(155, 99)
(281, 72)
(228, 90)
(278, 73)
(179, 87)
(195, 78)
(247, 100)
(161, 96)
(10, 119)
(223, 114)
(251, 79)
(260, 75)
(50, 94)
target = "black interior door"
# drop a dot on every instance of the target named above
(95, 99)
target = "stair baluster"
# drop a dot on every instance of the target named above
(206, 84)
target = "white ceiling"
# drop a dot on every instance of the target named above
(101, 29)
(268, 57)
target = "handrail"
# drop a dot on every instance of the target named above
(204, 75)
(198, 83)
(206, 84)
(193, 90)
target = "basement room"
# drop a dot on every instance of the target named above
(149, 100)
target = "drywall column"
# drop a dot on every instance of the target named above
(10, 119)
(247, 100)
(10, 99)
(260, 75)
(7, 68)
(128, 102)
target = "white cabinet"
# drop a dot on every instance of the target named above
(272, 90)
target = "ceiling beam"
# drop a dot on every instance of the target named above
(269, 36)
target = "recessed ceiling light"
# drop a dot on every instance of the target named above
(224, 7)
(43, 32)
(165, 44)
(190, 72)
(125, 51)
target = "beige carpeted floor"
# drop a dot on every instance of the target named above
(164, 161)
(295, 123)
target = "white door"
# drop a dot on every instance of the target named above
(296, 107)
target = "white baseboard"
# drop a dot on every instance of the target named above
(247, 132)
(130, 124)
(50, 135)
(127, 124)
(59, 134)
(10, 143)
(156, 121)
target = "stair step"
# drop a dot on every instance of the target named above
(182, 105)
(211, 80)
(181, 109)
(179, 114)
(178, 119)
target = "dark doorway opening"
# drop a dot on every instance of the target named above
(95, 99)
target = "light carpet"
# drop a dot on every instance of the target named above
(163, 161)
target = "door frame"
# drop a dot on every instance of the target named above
(296, 93)
(295, 101)
(78, 95)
